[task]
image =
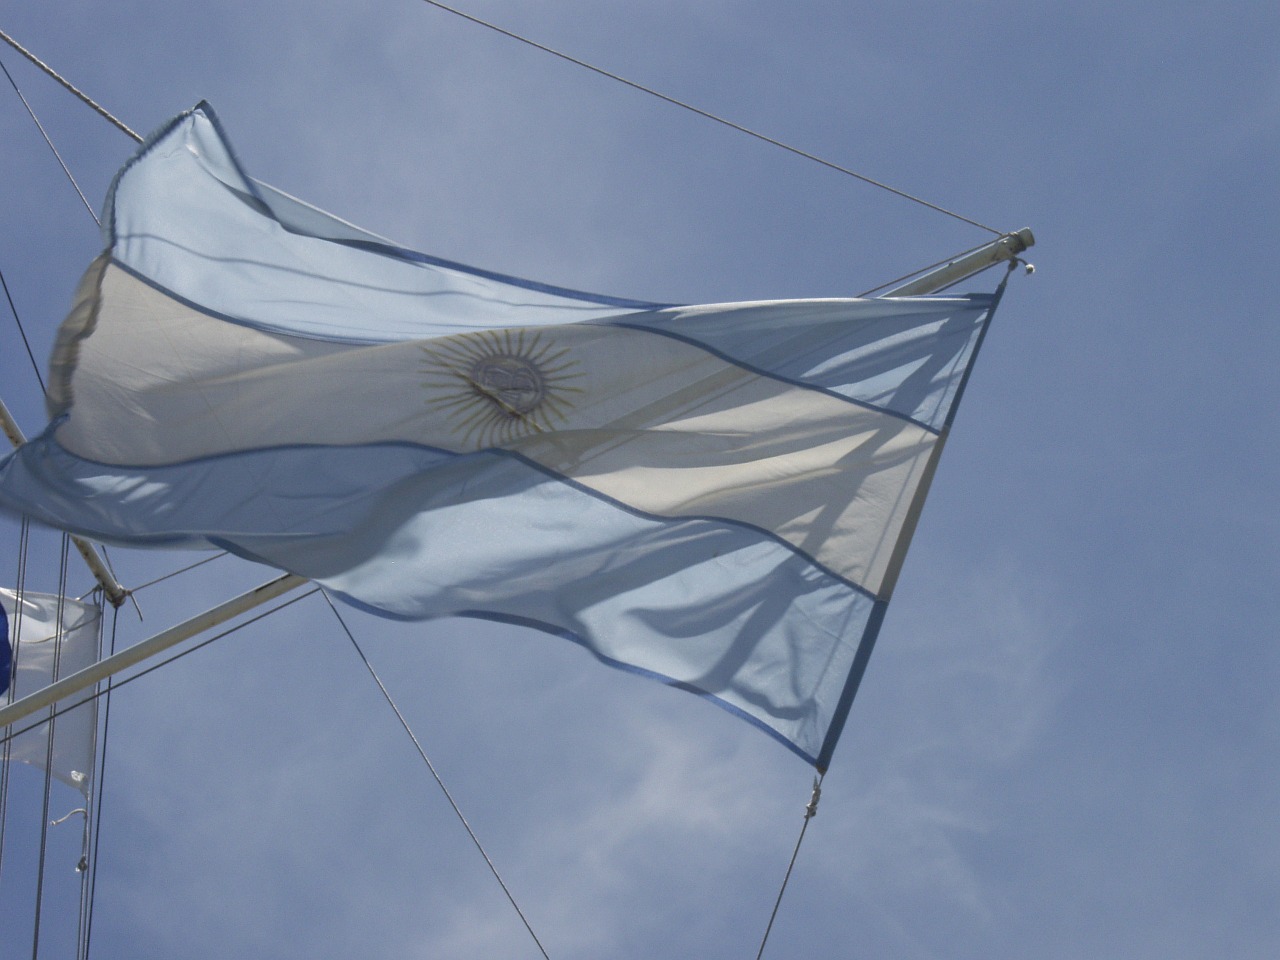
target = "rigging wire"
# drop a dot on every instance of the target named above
(186, 569)
(106, 559)
(99, 787)
(20, 582)
(59, 624)
(90, 830)
(84, 97)
(810, 812)
(710, 116)
(69, 706)
(431, 767)
(35, 364)
(62, 707)
(93, 800)
(706, 114)
(39, 126)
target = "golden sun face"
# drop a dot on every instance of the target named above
(496, 386)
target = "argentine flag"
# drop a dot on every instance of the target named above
(716, 496)
(43, 638)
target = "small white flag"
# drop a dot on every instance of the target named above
(36, 640)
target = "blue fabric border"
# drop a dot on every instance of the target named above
(414, 256)
(860, 661)
(876, 620)
(977, 346)
(6, 652)
(109, 205)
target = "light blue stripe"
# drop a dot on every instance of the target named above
(905, 357)
(134, 504)
(718, 608)
(302, 218)
(184, 214)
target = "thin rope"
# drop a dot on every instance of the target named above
(85, 98)
(39, 126)
(59, 624)
(932, 266)
(198, 563)
(430, 766)
(4, 790)
(99, 788)
(708, 115)
(810, 812)
(116, 684)
(19, 588)
(93, 799)
(35, 365)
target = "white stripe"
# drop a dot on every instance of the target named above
(656, 423)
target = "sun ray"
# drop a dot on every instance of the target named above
(495, 386)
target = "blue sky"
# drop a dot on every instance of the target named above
(1065, 743)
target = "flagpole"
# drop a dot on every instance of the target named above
(110, 585)
(113, 664)
(1005, 248)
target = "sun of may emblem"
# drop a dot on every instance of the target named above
(499, 385)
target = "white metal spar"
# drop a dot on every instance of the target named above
(108, 666)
